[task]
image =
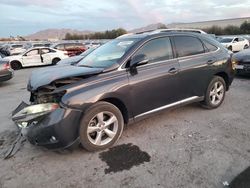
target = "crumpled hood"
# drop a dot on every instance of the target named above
(70, 60)
(45, 76)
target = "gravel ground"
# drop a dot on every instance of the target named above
(186, 147)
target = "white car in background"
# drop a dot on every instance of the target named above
(235, 44)
(15, 49)
(36, 57)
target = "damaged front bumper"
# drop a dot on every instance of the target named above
(50, 125)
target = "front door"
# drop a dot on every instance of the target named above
(32, 58)
(155, 85)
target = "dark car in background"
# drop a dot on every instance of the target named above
(121, 82)
(6, 73)
(72, 48)
(242, 62)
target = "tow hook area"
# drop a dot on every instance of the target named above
(15, 146)
(20, 138)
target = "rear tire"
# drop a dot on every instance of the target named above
(16, 65)
(246, 46)
(101, 126)
(55, 61)
(215, 93)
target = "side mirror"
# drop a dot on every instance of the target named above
(235, 41)
(138, 60)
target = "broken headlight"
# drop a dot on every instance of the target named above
(24, 117)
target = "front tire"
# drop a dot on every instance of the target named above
(230, 48)
(101, 126)
(215, 93)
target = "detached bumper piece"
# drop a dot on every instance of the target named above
(48, 125)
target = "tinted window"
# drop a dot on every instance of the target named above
(157, 50)
(241, 39)
(186, 46)
(210, 47)
(236, 40)
(17, 46)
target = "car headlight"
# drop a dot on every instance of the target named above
(23, 117)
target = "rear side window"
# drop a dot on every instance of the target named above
(157, 50)
(187, 46)
(210, 47)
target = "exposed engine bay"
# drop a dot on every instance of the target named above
(49, 93)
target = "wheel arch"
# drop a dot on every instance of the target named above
(16, 61)
(225, 78)
(120, 105)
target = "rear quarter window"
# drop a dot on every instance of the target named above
(210, 47)
(188, 45)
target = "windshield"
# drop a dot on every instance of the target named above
(226, 40)
(108, 54)
(87, 52)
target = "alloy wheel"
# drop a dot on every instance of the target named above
(102, 128)
(217, 93)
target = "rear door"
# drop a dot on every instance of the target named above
(195, 65)
(46, 56)
(155, 84)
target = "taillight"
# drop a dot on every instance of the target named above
(6, 66)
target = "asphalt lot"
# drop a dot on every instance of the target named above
(185, 147)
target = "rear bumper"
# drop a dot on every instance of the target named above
(58, 129)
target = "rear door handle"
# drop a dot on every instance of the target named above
(173, 70)
(210, 62)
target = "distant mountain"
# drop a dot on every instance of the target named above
(54, 34)
(148, 28)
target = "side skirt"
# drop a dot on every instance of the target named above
(169, 106)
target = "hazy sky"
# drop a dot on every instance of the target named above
(22, 17)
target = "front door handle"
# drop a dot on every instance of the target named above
(173, 70)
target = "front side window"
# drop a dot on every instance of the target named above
(187, 46)
(108, 54)
(157, 50)
(32, 52)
